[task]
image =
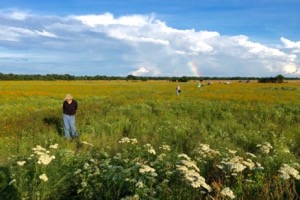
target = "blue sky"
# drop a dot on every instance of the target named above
(150, 37)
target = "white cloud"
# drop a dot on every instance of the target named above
(146, 71)
(100, 44)
(108, 19)
(14, 14)
(290, 44)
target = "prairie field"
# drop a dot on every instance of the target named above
(139, 140)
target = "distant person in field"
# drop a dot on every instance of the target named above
(69, 110)
(178, 90)
(199, 84)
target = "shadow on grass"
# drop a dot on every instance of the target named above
(7, 189)
(56, 122)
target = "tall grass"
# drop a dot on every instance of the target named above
(216, 142)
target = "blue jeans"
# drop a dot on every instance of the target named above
(69, 123)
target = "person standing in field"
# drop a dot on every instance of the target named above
(199, 84)
(69, 110)
(178, 90)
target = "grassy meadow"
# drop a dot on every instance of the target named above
(139, 140)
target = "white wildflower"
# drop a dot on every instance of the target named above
(265, 147)
(186, 157)
(251, 154)
(190, 164)
(134, 141)
(43, 177)
(124, 140)
(205, 151)
(21, 163)
(145, 168)
(286, 151)
(45, 159)
(165, 147)
(232, 151)
(53, 146)
(191, 173)
(139, 184)
(150, 149)
(286, 171)
(39, 148)
(249, 164)
(237, 167)
(227, 192)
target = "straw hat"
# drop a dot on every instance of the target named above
(68, 96)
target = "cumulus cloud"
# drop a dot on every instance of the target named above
(140, 45)
(290, 44)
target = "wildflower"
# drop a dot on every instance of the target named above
(286, 151)
(43, 177)
(39, 148)
(237, 167)
(124, 140)
(139, 184)
(191, 173)
(190, 164)
(165, 147)
(259, 166)
(227, 192)
(251, 154)
(186, 157)
(133, 141)
(205, 151)
(150, 149)
(249, 164)
(21, 163)
(45, 159)
(286, 171)
(145, 169)
(54, 146)
(232, 151)
(265, 147)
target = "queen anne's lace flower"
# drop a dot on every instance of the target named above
(53, 146)
(145, 168)
(21, 163)
(43, 177)
(287, 171)
(228, 193)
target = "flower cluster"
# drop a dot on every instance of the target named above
(43, 155)
(237, 164)
(146, 169)
(204, 152)
(150, 149)
(227, 192)
(43, 177)
(265, 147)
(125, 140)
(286, 171)
(165, 147)
(191, 172)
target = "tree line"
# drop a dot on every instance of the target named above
(53, 77)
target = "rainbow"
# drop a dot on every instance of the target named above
(194, 68)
